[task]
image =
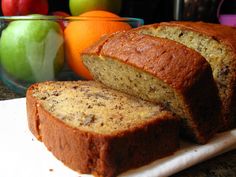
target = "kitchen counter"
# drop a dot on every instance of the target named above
(6, 94)
(221, 166)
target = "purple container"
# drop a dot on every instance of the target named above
(226, 19)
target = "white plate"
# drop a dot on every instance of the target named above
(21, 155)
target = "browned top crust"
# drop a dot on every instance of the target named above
(225, 34)
(167, 60)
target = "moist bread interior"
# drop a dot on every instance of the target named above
(93, 107)
(218, 55)
(130, 80)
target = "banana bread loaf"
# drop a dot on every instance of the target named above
(93, 129)
(217, 43)
(162, 71)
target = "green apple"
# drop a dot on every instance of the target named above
(32, 50)
(78, 7)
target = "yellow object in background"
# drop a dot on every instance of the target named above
(78, 7)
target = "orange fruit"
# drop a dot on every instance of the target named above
(80, 34)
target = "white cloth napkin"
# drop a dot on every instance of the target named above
(23, 156)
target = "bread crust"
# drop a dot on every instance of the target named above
(227, 36)
(184, 69)
(165, 60)
(102, 155)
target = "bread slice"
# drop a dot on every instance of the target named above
(161, 71)
(217, 43)
(93, 129)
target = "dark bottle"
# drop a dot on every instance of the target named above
(150, 10)
(196, 10)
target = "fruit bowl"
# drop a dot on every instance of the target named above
(37, 48)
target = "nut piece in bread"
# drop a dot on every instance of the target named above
(93, 129)
(162, 71)
(217, 43)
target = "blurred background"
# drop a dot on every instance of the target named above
(166, 10)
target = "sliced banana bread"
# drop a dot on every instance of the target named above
(93, 129)
(161, 71)
(217, 43)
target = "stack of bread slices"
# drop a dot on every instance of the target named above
(153, 85)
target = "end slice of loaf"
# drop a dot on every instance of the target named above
(93, 129)
(217, 43)
(161, 71)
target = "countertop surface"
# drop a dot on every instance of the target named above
(220, 166)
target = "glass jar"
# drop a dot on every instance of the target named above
(32, 49)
